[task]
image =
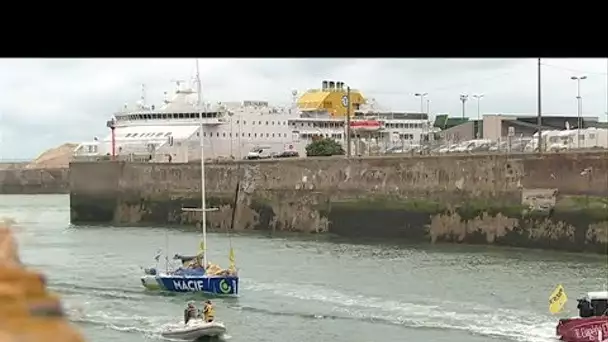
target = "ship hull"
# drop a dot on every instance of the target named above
(591, 329)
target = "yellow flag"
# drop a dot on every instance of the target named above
(557, 299)
(231, 258)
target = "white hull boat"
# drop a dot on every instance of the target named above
(195, 329)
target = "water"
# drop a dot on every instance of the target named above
(297, 288)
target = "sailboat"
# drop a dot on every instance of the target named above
(196, 274)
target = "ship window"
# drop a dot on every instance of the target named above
(267, 135)
(244, 122)
(259, 122)
(134, 135)
(255, 135)
(285, 123)
(128, 135)
(204, 134)
(230, 135)
(253, 122)
(272, 122)
(218, 134)
(249, 134)
(285, 135)
(224, 135)
(237, 122)
(159, 134)
(273, 135)
(167, 134)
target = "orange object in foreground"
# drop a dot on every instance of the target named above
(28, 312)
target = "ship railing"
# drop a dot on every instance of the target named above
(325, 90)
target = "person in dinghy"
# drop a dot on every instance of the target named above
(208, 311)
(190, 312)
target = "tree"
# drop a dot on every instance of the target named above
(324, 147)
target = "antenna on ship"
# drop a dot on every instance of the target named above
(143, 96)
(294, 99)
(178, 84)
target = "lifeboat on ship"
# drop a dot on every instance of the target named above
(365, 125)
(592, 323)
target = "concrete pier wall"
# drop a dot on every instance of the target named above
(34, 181)
(557, 201)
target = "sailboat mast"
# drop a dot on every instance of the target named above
(203, 202)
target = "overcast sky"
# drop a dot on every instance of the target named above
(46, 102)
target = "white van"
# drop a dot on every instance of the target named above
(259, 152)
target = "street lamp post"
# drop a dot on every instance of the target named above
(111, 124)
(579, 100)
(421, 96)
(478, 97)
(464, 99)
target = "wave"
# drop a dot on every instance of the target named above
(96, 291)
(518, 325)
(147, 326)
(428, 313)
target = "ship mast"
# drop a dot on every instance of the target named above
(203, 207)
(199, 92)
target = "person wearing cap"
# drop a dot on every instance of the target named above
(208, 311)
(190, 312)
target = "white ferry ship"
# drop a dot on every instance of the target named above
(170, 132)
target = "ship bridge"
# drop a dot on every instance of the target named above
(329, 99)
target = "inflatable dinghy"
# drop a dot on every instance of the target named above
(194, 330)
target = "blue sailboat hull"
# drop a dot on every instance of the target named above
(219, 285)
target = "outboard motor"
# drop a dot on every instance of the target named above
(150, 271)
(584, 308)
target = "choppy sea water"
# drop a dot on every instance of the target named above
(298, 288)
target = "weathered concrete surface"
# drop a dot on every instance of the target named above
(557, 201)
(34, 181)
